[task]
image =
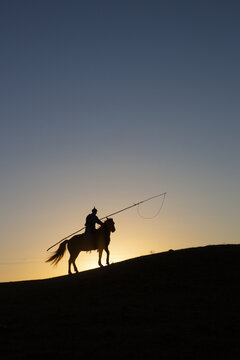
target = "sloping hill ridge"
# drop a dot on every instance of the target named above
(182, 304)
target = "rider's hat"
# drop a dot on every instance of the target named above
(94, 210)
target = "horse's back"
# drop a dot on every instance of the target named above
(75, 241)
(82, 243)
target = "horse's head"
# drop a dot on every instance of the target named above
(110, 225)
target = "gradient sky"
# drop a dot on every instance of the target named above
(107, 103)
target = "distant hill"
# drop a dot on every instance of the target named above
(182, 304)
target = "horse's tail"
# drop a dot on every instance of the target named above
(57, 256)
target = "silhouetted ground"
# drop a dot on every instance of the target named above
(181, 304)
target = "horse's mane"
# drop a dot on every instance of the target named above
(103, 226)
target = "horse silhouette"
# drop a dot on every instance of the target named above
(99, 241)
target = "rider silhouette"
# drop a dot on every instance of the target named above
(91, 221)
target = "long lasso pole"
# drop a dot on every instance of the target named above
(105, 217)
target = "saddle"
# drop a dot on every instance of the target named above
(91, 239)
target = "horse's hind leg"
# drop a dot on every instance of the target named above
(69, 265)
(72, 261)
(75, 267)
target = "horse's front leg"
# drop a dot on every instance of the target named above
(107, 251)
(100, 257)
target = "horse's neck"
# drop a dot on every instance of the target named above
(105, 230)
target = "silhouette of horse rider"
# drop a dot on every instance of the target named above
(91, 221)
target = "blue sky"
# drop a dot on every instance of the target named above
(106, 103)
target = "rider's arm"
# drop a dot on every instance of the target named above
(98, 221)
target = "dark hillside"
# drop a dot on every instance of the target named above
(181, 304)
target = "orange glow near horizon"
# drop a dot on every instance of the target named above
(146, 237)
